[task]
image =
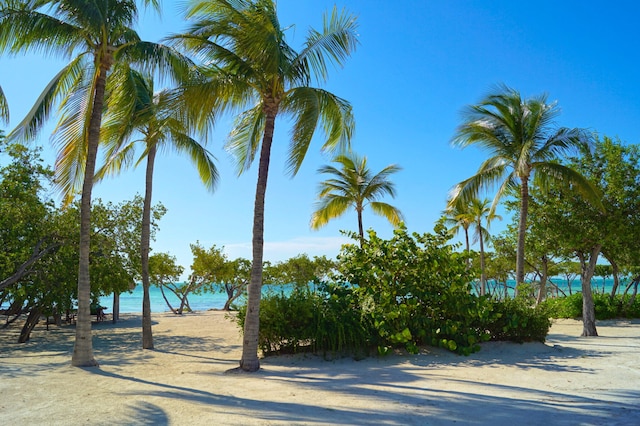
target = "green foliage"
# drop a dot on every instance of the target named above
(621, 306)
(516, 320)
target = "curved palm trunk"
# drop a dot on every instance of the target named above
(522, 230)
(467, 246)
(83, 348)
(483, 275)
(147, 335)
(249, 361)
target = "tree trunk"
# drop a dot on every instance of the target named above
(616, 279)
(467, 246)
(116, 307)
(542, 291)
(147, 336)
(83, 348)
(30, 323)
(483, 275)
(249, 361)
(588, 267)
(360, 228)
(522, 230)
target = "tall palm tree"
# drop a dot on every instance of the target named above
(94, 34)
(523, 145)
(354, 185)
(480, 211)
(133, 109)
(4, 107)
(251, 68)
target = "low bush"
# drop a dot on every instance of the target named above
(517, 321)
(605, 307)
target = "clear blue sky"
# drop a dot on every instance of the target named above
(419, 63)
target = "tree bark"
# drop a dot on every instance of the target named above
(116, 307)
(522, 230)
(360, 227)
(249, 361)
(542, 291)
(587, 267)
(483, 275)
(83, 348)
(29, 324)
(147, 335)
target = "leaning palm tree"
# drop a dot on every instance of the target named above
(250, 67)
(355, 186)
(133, 109)
(480, 211)
(519, 136)
(94, 34)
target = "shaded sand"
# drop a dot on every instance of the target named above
(567, 381)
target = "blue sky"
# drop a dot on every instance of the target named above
(419, 63)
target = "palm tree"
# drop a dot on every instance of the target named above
(4, 107)
(480, 211)
(134, 109)
(519, 137)
(251, 68)
(354, 185)
(95, 34)
(457, 216)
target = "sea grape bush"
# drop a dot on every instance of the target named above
(408, 291)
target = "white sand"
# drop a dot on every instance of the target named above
(567, 381)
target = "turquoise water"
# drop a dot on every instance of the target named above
(132, 301)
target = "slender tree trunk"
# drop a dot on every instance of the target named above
(588, 267)
(147, 335)
(360, 228)
(116, 307)
(543, 280)
(483, 275)
(83, 348)
(249, 361)
(522, 230)
(616, 279)
(468, 247)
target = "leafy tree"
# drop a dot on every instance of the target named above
(302, 270)
(518, 135)
(165, 273)
(354, 185)
(97, 35)
(586, 231)
(153, 117)
(249, 66)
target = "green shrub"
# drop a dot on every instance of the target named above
(605, 307)
(517, 321)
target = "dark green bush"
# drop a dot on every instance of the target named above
(517, 321)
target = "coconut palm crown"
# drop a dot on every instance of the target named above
(523, 144)
(354, 185)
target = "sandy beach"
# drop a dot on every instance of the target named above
(567, 381)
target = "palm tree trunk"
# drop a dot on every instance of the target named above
(483, 275)
(522, 230)
(83, 348)
(249, 361)
(467, 246)
(360, 228)
(147, 335)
